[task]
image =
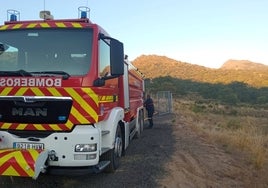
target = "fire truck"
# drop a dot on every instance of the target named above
(70, 101)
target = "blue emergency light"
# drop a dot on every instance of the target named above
(13, 18)
(13, 15)
(83, 12)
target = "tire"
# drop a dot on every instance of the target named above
(114, 154)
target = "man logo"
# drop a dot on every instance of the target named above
(34, 112)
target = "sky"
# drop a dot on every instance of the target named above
(202, 32)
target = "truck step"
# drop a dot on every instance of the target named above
(104, 132)
(104, 150)
(101, 166)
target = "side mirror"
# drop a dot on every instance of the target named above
(116, 57)
(116, 60)
(3, 48)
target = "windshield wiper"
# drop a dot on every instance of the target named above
(64, 75)
(15, 73)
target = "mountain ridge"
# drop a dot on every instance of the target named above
(254, 74)
(243, 65)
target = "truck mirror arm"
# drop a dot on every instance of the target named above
(102, 36)
(101, 81)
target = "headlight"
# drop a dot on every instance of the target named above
(85, 147)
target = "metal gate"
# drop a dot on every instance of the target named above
(163, 102)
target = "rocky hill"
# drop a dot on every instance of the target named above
(243, 65)
(153, 66)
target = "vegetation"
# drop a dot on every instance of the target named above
(233, 93)
(238, 129)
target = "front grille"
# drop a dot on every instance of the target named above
(35, 109)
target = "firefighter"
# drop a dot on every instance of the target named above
(149, 105)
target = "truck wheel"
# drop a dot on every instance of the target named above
(115, 154)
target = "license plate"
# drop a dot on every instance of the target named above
(25, 145)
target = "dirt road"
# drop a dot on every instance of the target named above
(169, 155)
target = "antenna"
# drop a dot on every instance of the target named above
(44, 5)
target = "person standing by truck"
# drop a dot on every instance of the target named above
(149, 105)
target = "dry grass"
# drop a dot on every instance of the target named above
(229, 126)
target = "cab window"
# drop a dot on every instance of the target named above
(104, 59)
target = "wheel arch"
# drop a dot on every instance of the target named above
(139, 122)
(115, 118)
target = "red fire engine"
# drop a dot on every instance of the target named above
(69, 100)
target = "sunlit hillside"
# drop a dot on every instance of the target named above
(243, 65)
(253, 74)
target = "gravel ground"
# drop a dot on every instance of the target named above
(141, 166)
(169, 155)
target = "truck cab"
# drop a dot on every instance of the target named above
(69, 101)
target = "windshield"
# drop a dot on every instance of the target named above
(46, 50)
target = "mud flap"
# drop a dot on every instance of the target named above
(25, 163)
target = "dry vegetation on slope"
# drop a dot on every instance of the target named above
(238, 129)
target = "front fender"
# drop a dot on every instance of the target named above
(110, 125)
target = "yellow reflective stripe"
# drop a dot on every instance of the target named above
(44, 25)
(60, 25)
(55, 127)
(39, 127)
(82, 102)
(16, 156)
(6, 125)
(108, 98)
(4, 158)
(32, 25)
(78, 116)
(77, 25)
(69, 124)
(91, 94)
(37, 91)
(54, 91)
(6, 91)
(21, 126)
(21, 91)
(20, 159)
(17, 26)
(10, 170)
(4, 27)
(34, 153)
